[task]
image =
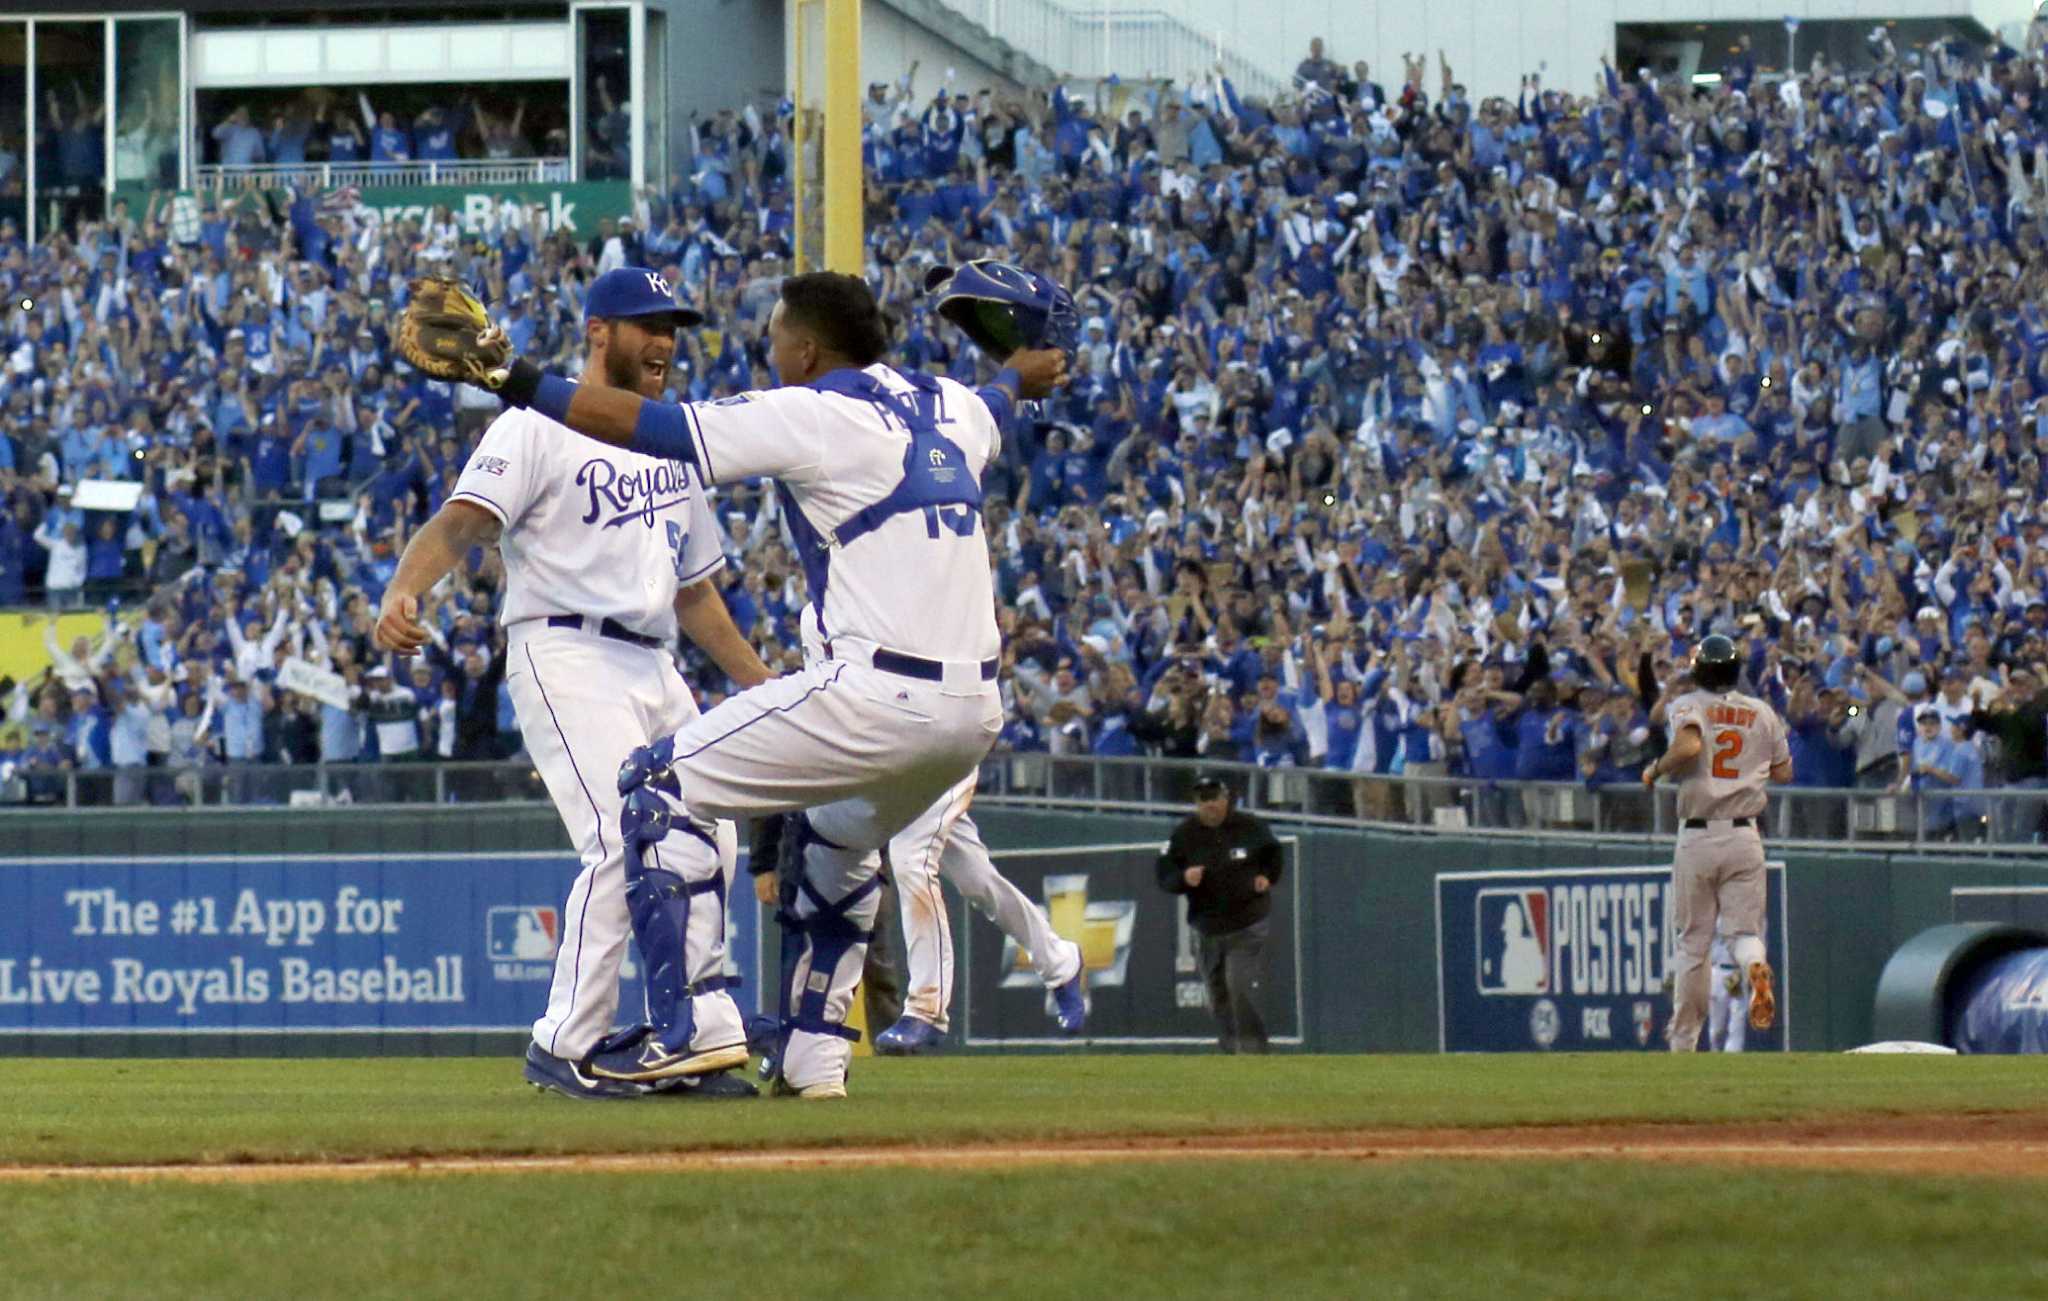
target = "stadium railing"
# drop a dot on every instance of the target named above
(1101, 42)
(329, 176)
(2002, 821)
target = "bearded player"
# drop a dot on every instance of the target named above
(1725, 747)
(607, 554)
(878, 471)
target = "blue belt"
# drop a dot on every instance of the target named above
(916, 666)
(611, 628)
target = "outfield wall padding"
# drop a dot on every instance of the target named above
(1369, 972)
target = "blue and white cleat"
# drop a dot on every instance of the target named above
(552, 1074)
(647, 1059)
(1070, 1002)
(908, 1037)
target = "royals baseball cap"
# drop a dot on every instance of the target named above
(639, 294)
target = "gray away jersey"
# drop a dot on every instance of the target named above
(1743, 737)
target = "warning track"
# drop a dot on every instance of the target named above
(1995, 1146)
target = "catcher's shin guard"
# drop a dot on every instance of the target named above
(816, 1042)
(663, 904)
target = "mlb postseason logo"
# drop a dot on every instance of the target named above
(1513, 934)
(520, 941)
(1570, 958)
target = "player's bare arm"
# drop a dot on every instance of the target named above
(455, 530)
(1685, 750)
(702, 615)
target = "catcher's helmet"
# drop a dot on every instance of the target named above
(1004, 307)
(1715, 664)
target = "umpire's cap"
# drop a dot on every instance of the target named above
(1715, 664)
(1209, 785)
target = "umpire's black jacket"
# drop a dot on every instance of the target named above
(1230, 856)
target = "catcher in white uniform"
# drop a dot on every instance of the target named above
(944, 842)
(1728, 746)
(606, 554)
(879, 475)
(1727, 1002)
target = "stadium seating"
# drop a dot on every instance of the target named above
(1409, 434)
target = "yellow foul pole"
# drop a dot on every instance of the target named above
(843, 200)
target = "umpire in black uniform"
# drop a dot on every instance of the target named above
(1227, 862)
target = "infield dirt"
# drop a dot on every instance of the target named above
(1981, 1145)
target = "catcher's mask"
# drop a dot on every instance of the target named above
(1004, 308)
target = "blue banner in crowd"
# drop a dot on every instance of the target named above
(419, 942)
(1571, 959)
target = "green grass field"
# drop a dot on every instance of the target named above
(1280, 1227)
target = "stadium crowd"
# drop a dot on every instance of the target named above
(1410, 433)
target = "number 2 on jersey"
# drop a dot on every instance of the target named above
(1727, 749)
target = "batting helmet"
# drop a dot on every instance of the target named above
(1004, 308)
(1714, 664)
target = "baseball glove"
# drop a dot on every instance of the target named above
(446, 333)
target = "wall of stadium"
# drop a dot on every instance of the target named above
(1491, 45)
(890, 42)
(347, 931)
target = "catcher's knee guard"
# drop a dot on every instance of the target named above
(648, 765)
(659, 901)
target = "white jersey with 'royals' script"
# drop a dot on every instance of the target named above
(589, 529)
(1743, 738)
(919, 582)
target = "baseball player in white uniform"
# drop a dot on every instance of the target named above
(879, 475)
(1727, 1002)
(1727, 746)
(943, 842)
(607, 553)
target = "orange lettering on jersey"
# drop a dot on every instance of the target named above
(1731, 715)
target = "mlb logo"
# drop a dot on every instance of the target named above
(1514, 940)
(522, 934)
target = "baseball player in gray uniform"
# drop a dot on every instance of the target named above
(1725, 747)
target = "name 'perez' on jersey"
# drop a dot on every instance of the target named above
(879, 472)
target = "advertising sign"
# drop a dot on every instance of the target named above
(1571, 959)
(1145, 985)
(297, 943)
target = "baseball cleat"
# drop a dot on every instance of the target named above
(1070, 1001)
(552, 1074)
(908, 1037)
(648, 1060)
(704, 1088)
(1763, 1004)
(813, 1093)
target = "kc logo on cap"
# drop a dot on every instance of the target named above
(635, 292)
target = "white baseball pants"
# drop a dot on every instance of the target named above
(584, 702)
(864, 751)
(943, 842)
